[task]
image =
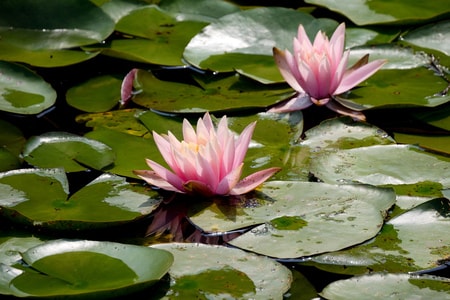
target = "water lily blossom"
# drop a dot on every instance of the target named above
(317, 71)
(207, 162)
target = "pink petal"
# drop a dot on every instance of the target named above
(252, 181)
(165, 148)
(206, 169)
(229, 181)
(154, 179)
(300, 102)
(340, 109)
(165, 175)
(242, 144)
(126, 89)
(189, 135)
(337, 42)
(288, 68)
(339, 73)
(355, 77)
(304, 39)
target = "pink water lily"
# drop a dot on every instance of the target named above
(207, 162)
(317, 71)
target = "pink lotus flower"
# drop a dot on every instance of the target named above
(207, 162)
(318, 72)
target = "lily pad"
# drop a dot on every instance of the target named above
(220, 93)
(130, 151)
(344, 133)
(98, 94)
(123, 120)
(162, 38)
(217, 272)
(413, 241)
(53, 25)
(384, 286)
(239, 41)
(319, 219)
(363, 12)
(104, 269)
(433, 36)
(382, 165)
(47, 58)
(22, 91)
(40, 197)
(11, 143)
(72, 152)
(198, 10)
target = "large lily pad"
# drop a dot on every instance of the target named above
(22, 91)
(162, 38)
(217, 272)
(363, 12)
(299, 218)
(53, 24)
(69, 151)
(40, 197)
(385, 286)
(103, 269)
(413, 241)
(216, 93)
(433, 36)
(400, 88)
(244, 41)
(382, 165)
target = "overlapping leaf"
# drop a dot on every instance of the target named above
(219, 272)
(299, 218)
(40, 197)
(22, 91)
(52, 264)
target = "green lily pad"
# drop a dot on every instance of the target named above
(123, 120)
(198, 10)
(72, 152)
(98, 94)
(162, 38)
(321, 218)
(130, 150)
(412, 241)
(54, 24)
(344, 133)
(39, 197)
(382, 165)
(47, 58)
(357, 36)
(433, 143)
(103, 269)
(398, 58)
(239, 41)
(12, 246)
(11, 143)
(219, 93)
(384, 286)
(363, 12)
(417, 87)
(22, 91)
(433, 36)
(217, 272)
